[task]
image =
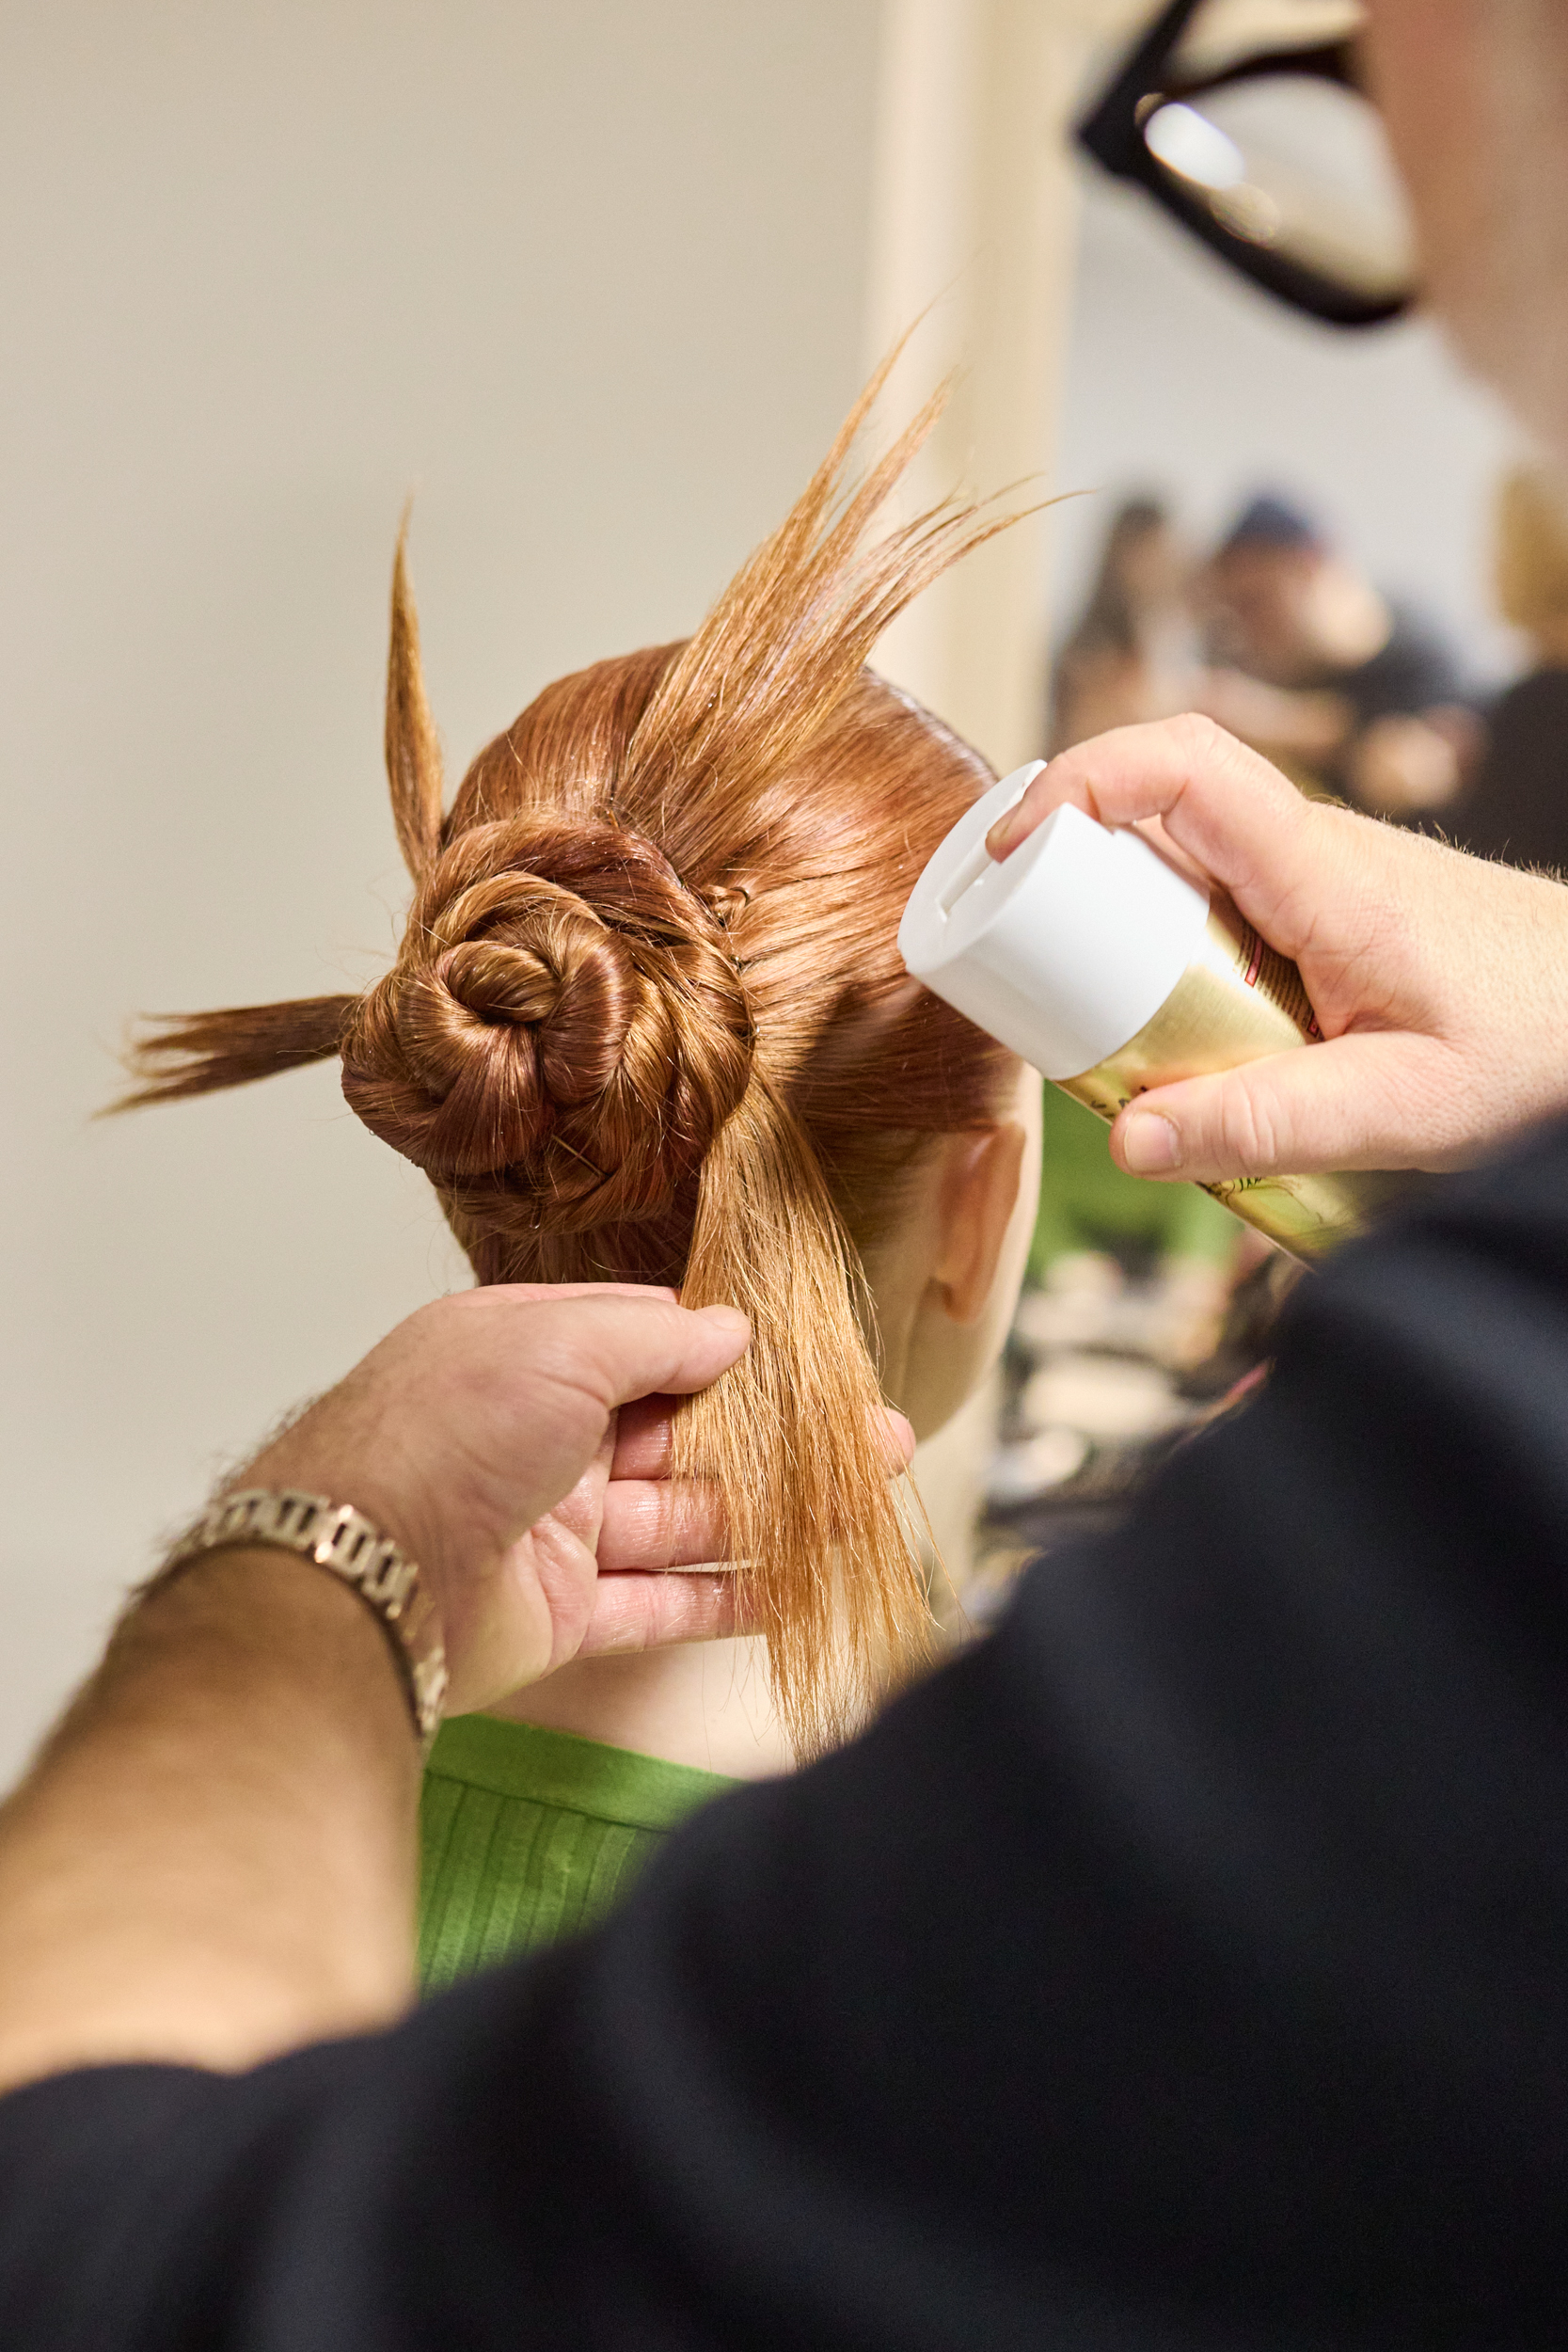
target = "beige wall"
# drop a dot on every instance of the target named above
(589, 277)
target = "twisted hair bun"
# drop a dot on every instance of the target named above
(564, 1019)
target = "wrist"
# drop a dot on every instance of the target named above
(338, 1540)
(328, 1461)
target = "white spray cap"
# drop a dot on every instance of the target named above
(1065, 950)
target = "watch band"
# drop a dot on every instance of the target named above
(335, 1537)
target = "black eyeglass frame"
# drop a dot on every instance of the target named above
(1112, 133)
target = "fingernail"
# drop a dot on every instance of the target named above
(1000, 838)
(729, 1319)
(1149, 1145)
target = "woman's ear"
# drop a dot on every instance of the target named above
(945, 1279)
(975, 1200)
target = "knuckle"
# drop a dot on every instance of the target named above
(1201, 739)
(1248, 1128)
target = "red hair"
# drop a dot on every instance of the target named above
(648, 1021)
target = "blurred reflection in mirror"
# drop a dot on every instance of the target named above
(1134, 652)
(1296, 165)
(1353, 691)
(1247, 122)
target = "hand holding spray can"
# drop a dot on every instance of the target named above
(1086, 953)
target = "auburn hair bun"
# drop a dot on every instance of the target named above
(564, 1020)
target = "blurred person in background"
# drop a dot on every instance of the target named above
(1517, 806)
(1134, 653)
(1114, 1262)
(1347, 689)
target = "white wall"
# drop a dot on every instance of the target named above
(1180, 377)
(589, 277)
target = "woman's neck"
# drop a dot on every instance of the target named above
(705, 1703)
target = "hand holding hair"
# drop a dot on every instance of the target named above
(485, 1434)
(212, 1856)
(1440, 981)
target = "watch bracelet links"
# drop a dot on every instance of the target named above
(338, 1538)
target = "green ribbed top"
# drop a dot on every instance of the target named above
(527, 1836)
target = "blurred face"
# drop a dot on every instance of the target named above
(1261, 601)
(1475, 94)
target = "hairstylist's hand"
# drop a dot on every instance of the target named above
(486, 1435)
(1440, 982)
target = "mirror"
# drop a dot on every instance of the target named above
(1295, 163)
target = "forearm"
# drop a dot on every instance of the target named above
(213, 1857)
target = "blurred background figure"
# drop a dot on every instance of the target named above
(1517, 806)
(1134, 652)
(1351, 691)
(1126, 1330)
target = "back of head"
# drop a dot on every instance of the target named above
(1109, 621)
(648, 1021)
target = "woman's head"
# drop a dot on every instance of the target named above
(1530, 556)
(648, 1021)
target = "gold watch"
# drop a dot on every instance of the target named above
(335, 1537)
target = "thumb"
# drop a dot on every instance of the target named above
(1343, 1104)
(618, 1346)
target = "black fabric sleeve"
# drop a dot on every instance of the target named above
(1185, 1965)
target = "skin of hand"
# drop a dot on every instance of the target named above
(1440, 981)
(516, 1440)
(212, 1859)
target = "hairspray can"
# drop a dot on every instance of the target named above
(1091, 956)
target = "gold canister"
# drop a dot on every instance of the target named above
(1066, 946)
(1237, 1001)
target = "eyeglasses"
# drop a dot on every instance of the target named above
(1272, 156)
